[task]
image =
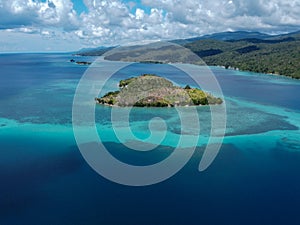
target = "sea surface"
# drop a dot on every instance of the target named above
(255, 178)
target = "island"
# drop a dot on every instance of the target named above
(80, 62)
(240, 50)
(150, 90)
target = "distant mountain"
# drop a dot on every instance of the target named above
(159, 52)
(225, 36)
(292, 34)
(251, 51)
(94, 51)
(222, 36)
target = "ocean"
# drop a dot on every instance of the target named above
(45, 179)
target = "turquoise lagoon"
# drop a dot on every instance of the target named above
(44, 179)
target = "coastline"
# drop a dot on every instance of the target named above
(220, 66)
(150, 90)
(271, 74)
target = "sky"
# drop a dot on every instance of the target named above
(68, 25)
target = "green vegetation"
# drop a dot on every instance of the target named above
(156, 53)
(124, 83)
(274, 56)
(152, 101)
(149, 90)
(109, 98)
(248, 51)
(198, 97)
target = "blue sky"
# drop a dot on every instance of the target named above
(79, 6)
(67, 25)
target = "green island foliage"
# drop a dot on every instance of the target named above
(150, 90)
(247, 51)
(279, 56)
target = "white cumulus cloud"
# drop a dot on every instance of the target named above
(114, 22)
(20, 13)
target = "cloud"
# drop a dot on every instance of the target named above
(23, 13)
(14, 40)
(113, 22)
(231, 14)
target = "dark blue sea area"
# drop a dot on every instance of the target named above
(255, 178)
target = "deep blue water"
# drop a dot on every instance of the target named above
(45, 180)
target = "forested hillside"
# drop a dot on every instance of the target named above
(279, 55)
(257, 53)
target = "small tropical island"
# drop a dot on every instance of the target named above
(80, 62)
(150, 90)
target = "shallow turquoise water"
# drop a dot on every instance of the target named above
(44, 179)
